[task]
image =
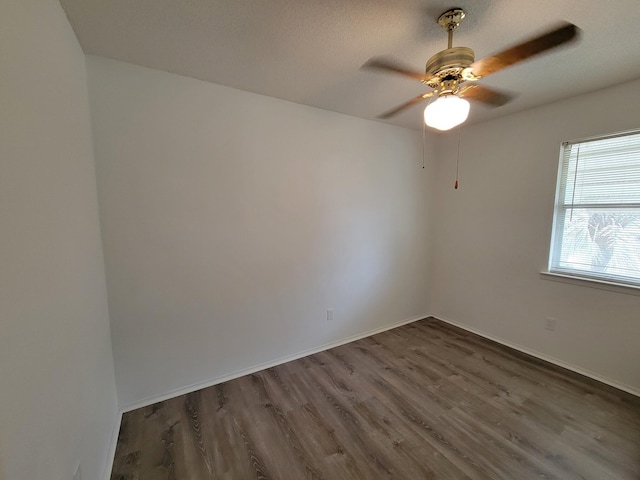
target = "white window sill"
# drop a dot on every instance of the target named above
(592, 283)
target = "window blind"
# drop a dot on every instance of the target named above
(596, 230)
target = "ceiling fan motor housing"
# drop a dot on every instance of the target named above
(449, 64)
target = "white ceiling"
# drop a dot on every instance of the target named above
(310, 51)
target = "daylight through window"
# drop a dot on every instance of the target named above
(596, 231)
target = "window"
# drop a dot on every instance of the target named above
(596, 230)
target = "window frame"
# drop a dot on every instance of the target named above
(560, 208)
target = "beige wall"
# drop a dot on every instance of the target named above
(57, 389)
(233, 221)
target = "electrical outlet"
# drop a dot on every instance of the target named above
(550, 324)
(330, 315)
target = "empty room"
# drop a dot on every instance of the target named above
(290, 239)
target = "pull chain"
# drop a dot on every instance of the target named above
(424, 127)
(424, 133)
(458, 158)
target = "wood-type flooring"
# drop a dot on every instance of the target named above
(422, 401)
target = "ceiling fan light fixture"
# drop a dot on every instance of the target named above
(446, 112)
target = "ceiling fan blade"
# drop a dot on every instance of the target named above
(494, 63)
(411, 102)
(485, 95)
(391, 65)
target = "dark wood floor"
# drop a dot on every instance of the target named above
(422, 401)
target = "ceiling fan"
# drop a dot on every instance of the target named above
(452, 73)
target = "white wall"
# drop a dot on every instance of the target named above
(492, 238)
(57, 389)
(233, 221)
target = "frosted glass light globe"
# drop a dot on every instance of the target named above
(446, 112)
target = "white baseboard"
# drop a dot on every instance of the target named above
(256, 368)
(613, 383)
(113, 441)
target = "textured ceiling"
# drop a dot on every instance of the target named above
(310, 51)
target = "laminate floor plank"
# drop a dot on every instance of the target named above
(402, 395)
(423, 401)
